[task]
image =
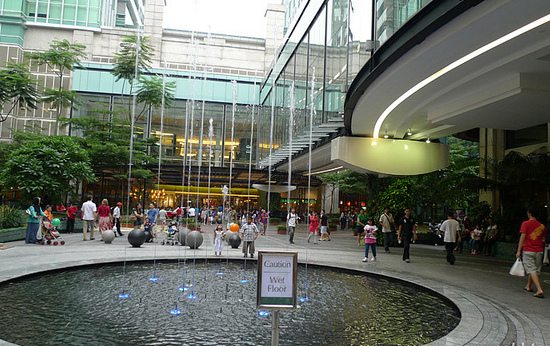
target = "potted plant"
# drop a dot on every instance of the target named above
(281, 229)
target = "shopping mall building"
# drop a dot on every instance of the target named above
(334, 84)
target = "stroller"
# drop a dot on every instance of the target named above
(171, 234)
(50, 234)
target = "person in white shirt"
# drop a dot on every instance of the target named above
(89, 215)
(451, 229)
(116, 217)
(292, 223)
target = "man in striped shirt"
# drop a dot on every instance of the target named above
(249, 233)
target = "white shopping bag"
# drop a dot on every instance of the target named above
(546, 259)
(517, 269)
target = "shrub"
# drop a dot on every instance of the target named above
(274, 220)
(281, 227)
(10, 217)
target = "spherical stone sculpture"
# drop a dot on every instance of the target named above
(194, 239)
(234, 240)
(108, 236)
(182, 235)
(136, 237)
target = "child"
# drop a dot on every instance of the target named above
(219, 235)
(313, 225)
(474, 241)
(370, 239)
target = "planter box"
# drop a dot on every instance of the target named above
(12, 234)
(281, 231)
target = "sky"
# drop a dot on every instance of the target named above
(230, 17)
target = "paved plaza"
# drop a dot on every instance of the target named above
(495, 310)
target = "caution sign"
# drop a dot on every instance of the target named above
(277, 276)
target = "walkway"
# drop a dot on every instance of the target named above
(495, 309)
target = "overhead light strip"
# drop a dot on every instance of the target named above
(325, 171)
(457, 63)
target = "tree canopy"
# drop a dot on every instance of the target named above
(46, 167)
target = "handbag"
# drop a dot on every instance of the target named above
(133, 217)
(28, 211)
(546, 257)
(517, 269)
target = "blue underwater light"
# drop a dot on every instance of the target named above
(263, 313)
(175, 312)
(192, 296)
(306, 299)
(124, 295)
(244, 281)
(153, 279)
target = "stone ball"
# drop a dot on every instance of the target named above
(182, 235)
(194, 239)
(234, 240)
(108, 236)
(136, 237)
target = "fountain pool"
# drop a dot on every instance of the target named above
(75, 307)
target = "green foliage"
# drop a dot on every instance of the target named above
(62, 55)
(125, 62)
(150, 93)
(281, 227)
(397, 195)
(480, 213)
(11, 217)
(46, 167)
(16, 84)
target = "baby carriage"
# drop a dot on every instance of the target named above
(171, 234)
(50, 234)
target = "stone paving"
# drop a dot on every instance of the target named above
(495, 310)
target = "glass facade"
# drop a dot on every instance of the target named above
(198, 100)
(390, 15)
(311, 75)
(12, 18)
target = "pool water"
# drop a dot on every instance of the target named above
(77, 307)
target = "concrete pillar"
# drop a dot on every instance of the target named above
(491, 151)
(154, 13)
(330, 199)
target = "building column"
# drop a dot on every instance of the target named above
(330, 201)
(491, 151)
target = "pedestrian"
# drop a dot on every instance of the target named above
(105, 217)
(89, 216)
(71, 217)
(33, 221)
(369, 234)
(451, 229)
(219, 236)
(407, 229)
(264, 217)
(475, 236)
(231, 216)
(388, 227)
(324, 226)
(152, 215)
(313, 226)
(48, 213)
(292, 223)
(249, 233)
(138, 214)
(162, 218)
(531, 243)
(491, 236)
(361, 221)
(116, 217)
(343, 219)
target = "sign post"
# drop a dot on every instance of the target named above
(277, 283)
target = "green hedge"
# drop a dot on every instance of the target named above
(274, 220)
(12, 234)
(11, 217)
(281, 227)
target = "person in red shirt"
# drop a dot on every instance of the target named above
(71, 216)
(61, 208)
(532, 243)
